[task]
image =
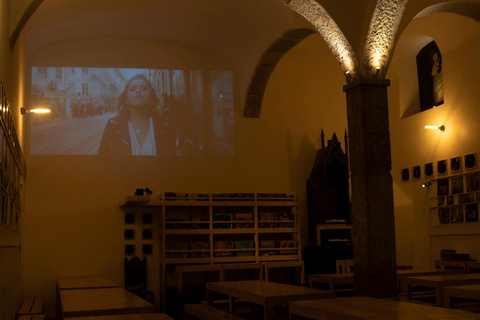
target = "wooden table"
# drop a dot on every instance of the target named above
(350, 308)
(263, 293)
(438, 282)
(104, 301)
(333, 279)
(76, 283)
(72, 283)
(469, 291)
(138, 316)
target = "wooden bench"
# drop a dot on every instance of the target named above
(32, 317)
(206, 312)
(31, 306)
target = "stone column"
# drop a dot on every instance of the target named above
(372, 191)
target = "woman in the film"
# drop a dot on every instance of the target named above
(138, 129)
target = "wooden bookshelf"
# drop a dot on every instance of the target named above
(187, 221)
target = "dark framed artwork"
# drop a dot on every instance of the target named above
(449, 200)
(428, 170)
(443, 187)
(456, 214)
(405, 174)
(457, 185)
(465, 198)
(444, 215)
(471, 213)
(441, 201)
(430, 76)
(442, 167)
(472, 182)
(470, 161)
(416, 172)
(456, 164)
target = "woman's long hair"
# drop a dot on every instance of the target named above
(124, 108)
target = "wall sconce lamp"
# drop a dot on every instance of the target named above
(36, 110)
(426, 184)
(441, 128)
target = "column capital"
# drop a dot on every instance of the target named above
(369, 81)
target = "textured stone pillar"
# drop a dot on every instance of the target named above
(372, 191)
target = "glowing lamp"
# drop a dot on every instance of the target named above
(36, 110)
(441, 128)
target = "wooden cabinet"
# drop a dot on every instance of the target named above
(221, 228)
(334, 233)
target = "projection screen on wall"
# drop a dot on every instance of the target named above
(195, 108)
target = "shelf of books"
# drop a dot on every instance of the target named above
(224, 228)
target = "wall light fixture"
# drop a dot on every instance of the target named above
(36, 110)
(441, 128)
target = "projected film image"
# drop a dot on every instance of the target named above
(121, 112)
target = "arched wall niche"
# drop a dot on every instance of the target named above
(447, 30)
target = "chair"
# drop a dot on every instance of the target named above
(344, 266)
(136, 278)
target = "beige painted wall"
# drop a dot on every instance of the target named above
(458, 39)
(10, 242)
(73, 225)
(72, 222)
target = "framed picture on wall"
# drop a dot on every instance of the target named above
(456, 164)
(444, 215)
(471, 213)
(443, 187)
(449, 200)
(456, 214)
(442, 167)
(472, 182)
(470, 161)
(405, 174)
(428, 170)
(416, 172)
(441, 201)
(457, 185)
(465, 197)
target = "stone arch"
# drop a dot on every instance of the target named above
(469, 9)
(23, 21)
(330, 32)
(266, 65)
(380, 41)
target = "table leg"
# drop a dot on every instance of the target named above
(438, 296)
(231, 304)
(447, 299)
(332, 286)
(209, 297)
(269, 311)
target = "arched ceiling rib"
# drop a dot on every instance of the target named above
(330, 32)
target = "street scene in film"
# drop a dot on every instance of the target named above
(195, 108)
